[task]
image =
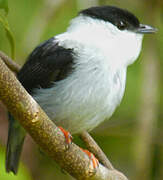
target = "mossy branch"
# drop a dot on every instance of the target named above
(45, 133)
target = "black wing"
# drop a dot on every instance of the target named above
(48, 63)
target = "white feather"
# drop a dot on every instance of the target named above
(91, 93)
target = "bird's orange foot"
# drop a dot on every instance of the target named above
(67, 135)
(91, 156)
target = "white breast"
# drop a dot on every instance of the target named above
(88, 96)
(92, 92)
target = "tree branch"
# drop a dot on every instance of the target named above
(45, 133)
(96, 150)
(85, 136)
(9, 62)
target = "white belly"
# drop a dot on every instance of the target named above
(84, 99)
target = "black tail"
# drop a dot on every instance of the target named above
(16, 135)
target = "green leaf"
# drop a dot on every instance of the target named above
(4, 5)
(9, 34)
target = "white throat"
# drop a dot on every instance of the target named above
(120, 47)
(96, 86)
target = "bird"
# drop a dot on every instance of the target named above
(78, 77)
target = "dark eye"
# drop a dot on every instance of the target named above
(121, 25)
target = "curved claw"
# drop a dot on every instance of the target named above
(67, 135)
(91, 156)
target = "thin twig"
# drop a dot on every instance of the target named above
(45, 133)
(96, 150)
(9, 62)
(85, 136)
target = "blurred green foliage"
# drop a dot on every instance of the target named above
(4, 22)
(23, 173)
(4, 5)
(29, 19)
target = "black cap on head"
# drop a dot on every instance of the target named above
(119, 17)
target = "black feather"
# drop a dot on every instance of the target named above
(15, 141)
(113, 15)
(47, 64)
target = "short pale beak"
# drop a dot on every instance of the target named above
(145, 29)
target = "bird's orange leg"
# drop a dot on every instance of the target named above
(91, 156)
(67, 135)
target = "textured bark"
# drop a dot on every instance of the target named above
(45, 133)
(9, 62)
(96, 150)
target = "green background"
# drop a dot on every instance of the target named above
(133, 138)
